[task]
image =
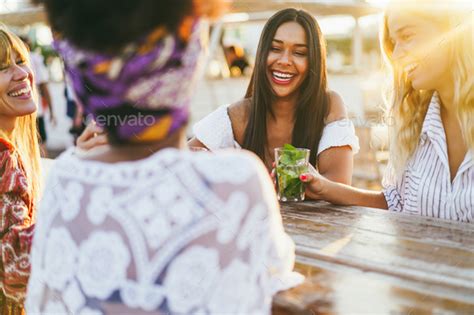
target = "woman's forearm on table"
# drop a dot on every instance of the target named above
(342, 194)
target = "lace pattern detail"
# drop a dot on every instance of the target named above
(177, 232)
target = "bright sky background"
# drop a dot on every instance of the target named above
(332, 25)
(12, 5)
(378, 3)
(8, 6)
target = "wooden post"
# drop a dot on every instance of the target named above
(357, 45)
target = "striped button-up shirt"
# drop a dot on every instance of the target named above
(425, 187)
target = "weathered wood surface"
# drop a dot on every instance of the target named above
(360, 260)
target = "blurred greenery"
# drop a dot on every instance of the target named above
(47, 51)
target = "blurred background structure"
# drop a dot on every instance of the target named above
(351, 28)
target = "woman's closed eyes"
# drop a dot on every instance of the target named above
(296, 53)
(19, 62)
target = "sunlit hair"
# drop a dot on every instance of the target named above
(407, 107)
(24, 137)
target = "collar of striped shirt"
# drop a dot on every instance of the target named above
(433, 124)
(433, 130)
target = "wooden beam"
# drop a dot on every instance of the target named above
(319, 8)
(24, 17)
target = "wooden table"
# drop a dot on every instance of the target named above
(369, 261)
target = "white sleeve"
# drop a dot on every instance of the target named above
(215, 130)
(337, 134)
(272, 245)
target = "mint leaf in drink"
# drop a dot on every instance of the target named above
(289, 147)
(285, 159)
(290, 155)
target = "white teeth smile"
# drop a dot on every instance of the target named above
(21, 92)
(410, 68)
(282, 76)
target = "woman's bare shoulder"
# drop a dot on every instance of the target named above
(239, 109)
(238, 114)
(337, 108)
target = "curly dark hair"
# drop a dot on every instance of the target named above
(108, 25)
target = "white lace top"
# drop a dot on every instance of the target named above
(177, 232)
(215, 132)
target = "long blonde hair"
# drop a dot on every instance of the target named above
(24, 136)
(407, 107)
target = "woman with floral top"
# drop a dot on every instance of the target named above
(19, 171)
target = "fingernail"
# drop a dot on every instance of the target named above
(303, 177)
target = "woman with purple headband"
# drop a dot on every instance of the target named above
(145, 226)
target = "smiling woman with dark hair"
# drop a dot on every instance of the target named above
(287, 101)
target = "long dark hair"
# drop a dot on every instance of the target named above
(312, 103)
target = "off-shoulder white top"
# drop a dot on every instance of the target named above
(215, 132)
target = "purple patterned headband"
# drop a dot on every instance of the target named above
(153, 77)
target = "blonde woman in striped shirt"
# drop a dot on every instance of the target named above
(428, 46)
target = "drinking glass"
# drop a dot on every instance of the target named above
(290, 164)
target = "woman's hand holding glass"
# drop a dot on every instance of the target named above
(314, 182)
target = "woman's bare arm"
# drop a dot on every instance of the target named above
(194, 142)
(342, 194)
(336, 164)
(319, 187)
